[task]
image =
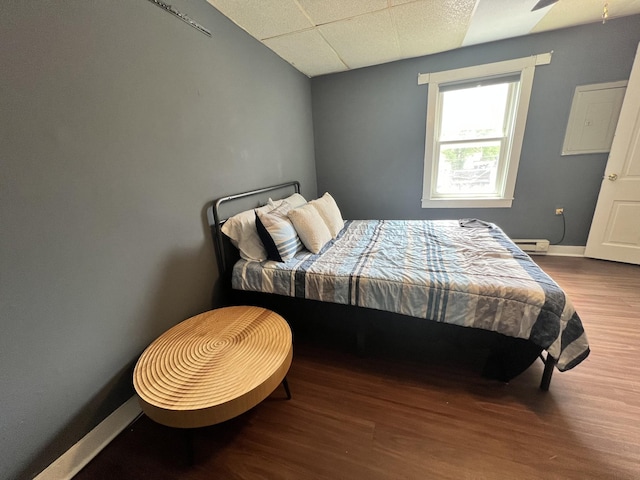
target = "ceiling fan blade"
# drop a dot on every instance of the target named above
(542, 4)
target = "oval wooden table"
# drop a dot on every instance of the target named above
(214, 366)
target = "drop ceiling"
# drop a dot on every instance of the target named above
(319, 37)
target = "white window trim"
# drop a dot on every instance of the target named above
(524, 66)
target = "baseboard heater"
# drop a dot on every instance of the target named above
(533, 246)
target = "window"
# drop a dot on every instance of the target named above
(475, 126)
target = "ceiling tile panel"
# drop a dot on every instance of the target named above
(326, 36)
(579, 12)
(630, 7)
(326, 11)
(365, 40)
(427, 27)
(264, 18)
(308, 52)
(497, 19)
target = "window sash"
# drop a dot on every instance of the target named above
(504, 140)
(499, 184)
(510, 106)
(479, 82)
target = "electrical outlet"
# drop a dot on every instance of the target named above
(560, 211)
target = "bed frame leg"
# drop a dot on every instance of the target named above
(549, 365)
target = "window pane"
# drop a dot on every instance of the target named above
(468, 168)
(474, 112)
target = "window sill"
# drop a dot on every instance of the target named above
(468, 203)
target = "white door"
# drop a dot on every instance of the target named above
(615, 230)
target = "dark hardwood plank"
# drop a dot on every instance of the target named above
(427, 414)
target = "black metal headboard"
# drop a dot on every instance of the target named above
(216, 220)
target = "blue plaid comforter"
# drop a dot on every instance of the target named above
(437, 270)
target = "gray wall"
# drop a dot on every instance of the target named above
(118, 123)
(369, 127)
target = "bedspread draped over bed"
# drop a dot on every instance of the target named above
(472, 276)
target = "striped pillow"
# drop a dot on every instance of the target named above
(278, 236)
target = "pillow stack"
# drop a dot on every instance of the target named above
(280, 229)
(317, 222)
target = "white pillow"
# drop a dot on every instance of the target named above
(241, 229)
(277, 233)
(330, 213)
(310, 227)
(295, 200)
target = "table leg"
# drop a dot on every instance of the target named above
(285, 384)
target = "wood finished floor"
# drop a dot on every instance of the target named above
(394, 415)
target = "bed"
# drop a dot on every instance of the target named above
(465, 273)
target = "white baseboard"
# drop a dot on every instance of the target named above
(74, 459)
(566, 251)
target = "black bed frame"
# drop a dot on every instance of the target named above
(508, 350)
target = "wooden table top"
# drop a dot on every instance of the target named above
(214, 366)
